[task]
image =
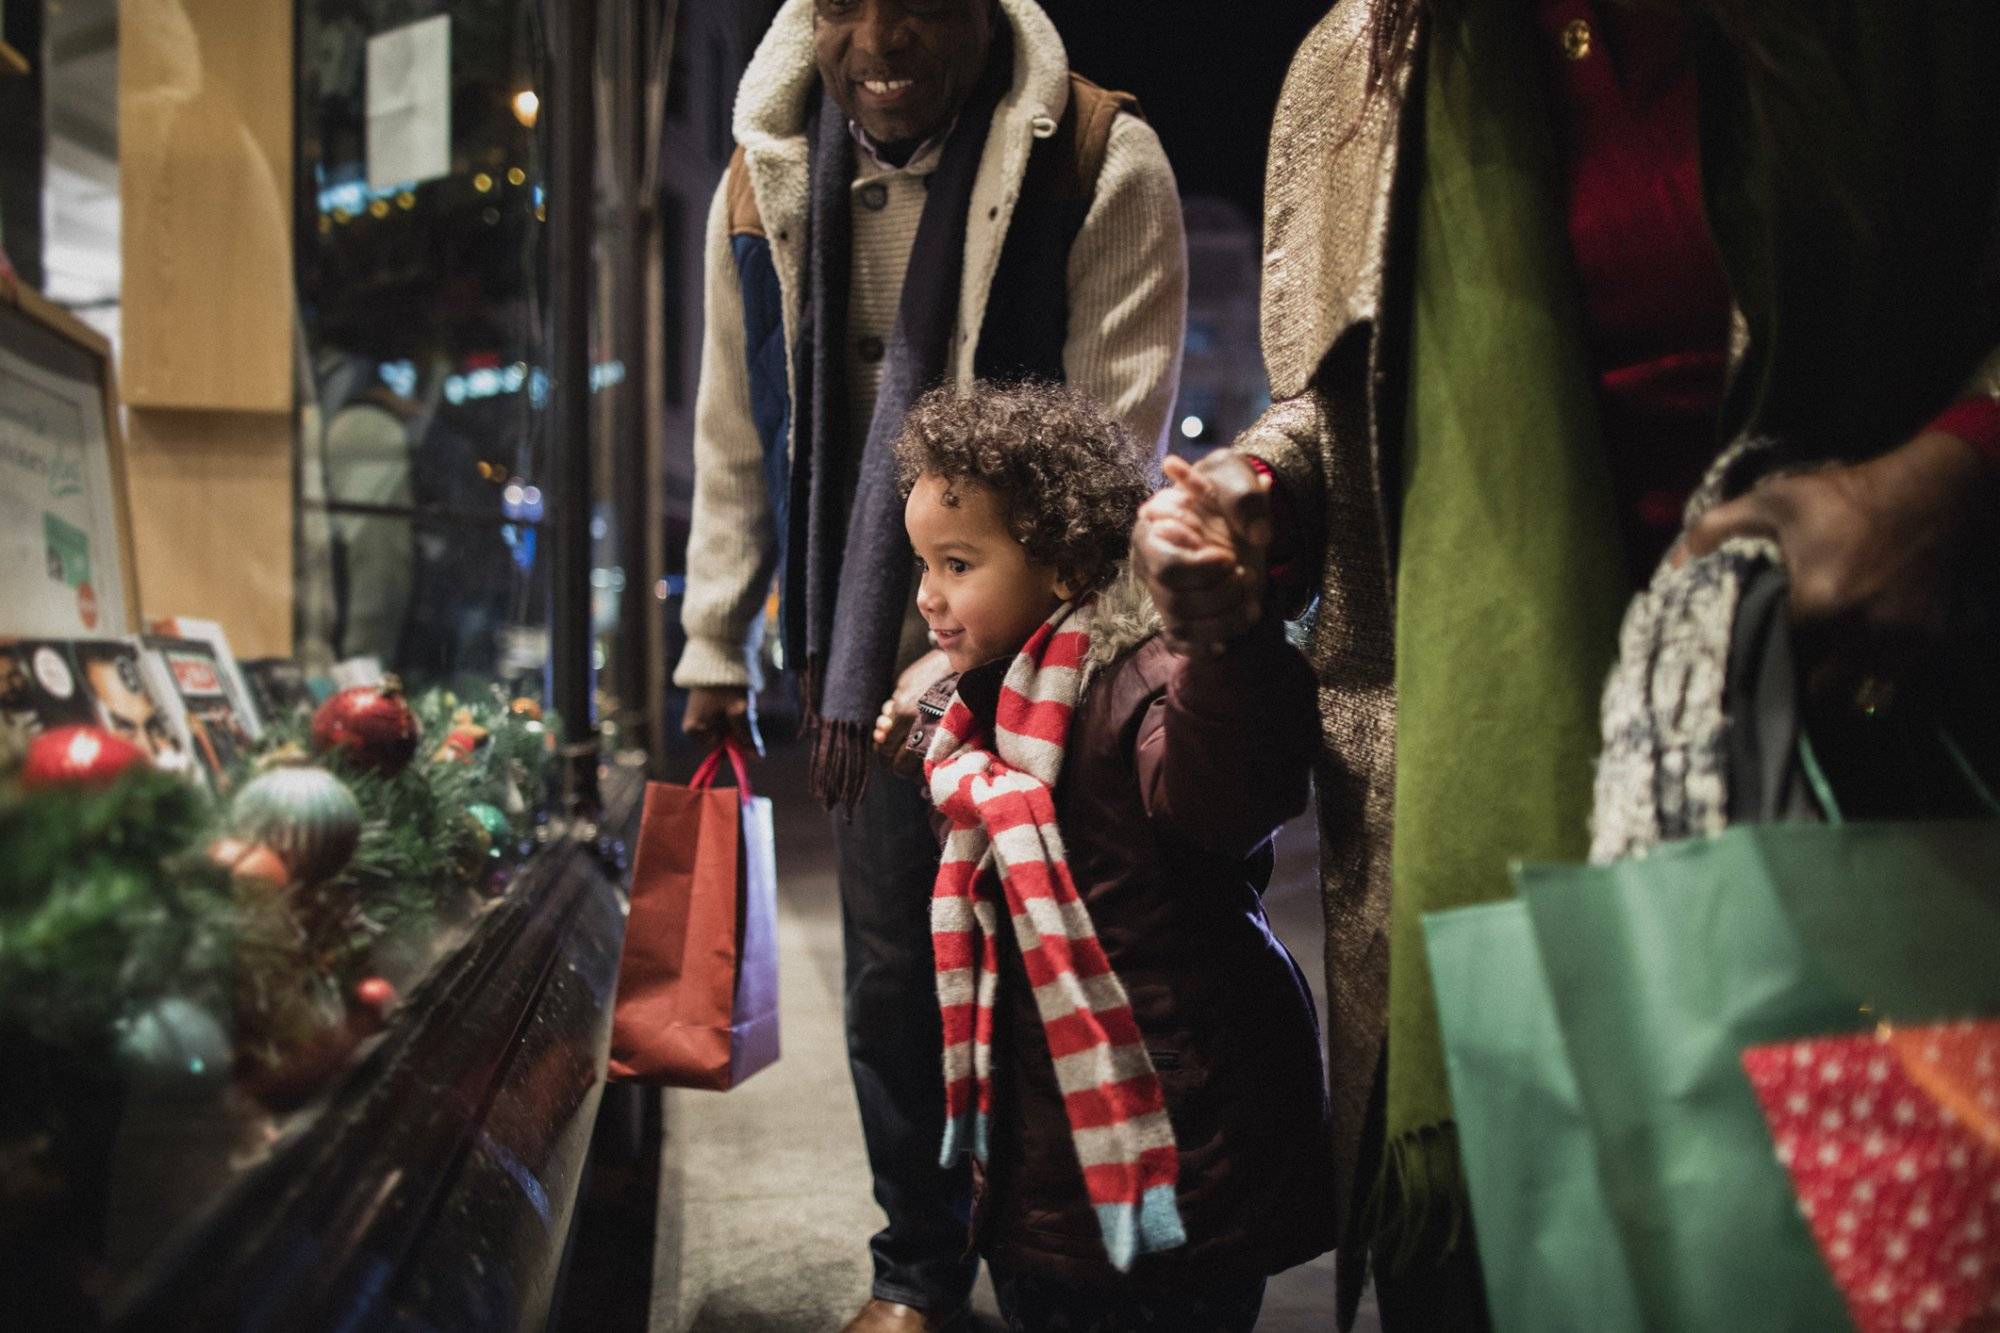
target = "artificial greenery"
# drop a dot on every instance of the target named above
(100, 907)
(110, 901)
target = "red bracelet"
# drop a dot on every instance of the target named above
(1977, 422)
(1283, 570)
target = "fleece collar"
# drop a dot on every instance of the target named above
(772, 102)
(1126, 618)
(770, 119)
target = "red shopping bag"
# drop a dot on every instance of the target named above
(698, 983)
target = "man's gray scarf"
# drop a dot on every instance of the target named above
(847, 583)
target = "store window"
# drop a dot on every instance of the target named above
(324, 551)
(422, 278)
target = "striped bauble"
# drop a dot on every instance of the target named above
(304, 814)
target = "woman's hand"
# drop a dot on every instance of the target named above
(1200, 544)
(1875, 551)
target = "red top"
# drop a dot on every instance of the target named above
(1977, 422)
(1655, 300)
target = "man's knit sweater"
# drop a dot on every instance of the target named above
(1126, 281)
(887, 203)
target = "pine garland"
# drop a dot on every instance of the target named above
(100, 910)
(109, 901)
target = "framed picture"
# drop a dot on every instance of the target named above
(66, 566)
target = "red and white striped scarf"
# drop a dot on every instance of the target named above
(997, 794)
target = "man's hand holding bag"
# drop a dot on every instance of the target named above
(698, 983)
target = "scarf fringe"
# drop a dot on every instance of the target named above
(838, 766)
(1418, 1205)
(966, 1132)
(839, 755)
(1151, 1225)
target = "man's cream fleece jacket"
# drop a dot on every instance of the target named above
(1127, 284)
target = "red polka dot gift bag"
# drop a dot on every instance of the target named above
(1892, 1143)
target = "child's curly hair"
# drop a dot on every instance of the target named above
(1069, 478)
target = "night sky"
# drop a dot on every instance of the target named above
(1206, 73)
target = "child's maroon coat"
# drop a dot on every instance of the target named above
(1177, 772)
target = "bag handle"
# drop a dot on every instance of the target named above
(1978, 785)
(1822, 789)
(710, 768)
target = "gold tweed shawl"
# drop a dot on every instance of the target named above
(1329, 205)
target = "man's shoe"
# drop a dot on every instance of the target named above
(890, 1317)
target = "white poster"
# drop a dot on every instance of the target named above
(60, 575)
(409, 103)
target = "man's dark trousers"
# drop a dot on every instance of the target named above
(888, 862)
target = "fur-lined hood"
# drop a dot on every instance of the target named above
(771, 101)
(1126, 618)
(770, 120)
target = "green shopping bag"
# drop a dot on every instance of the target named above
(1662, 969)
(1547, 1246)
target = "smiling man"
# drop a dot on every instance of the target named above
(901, 81)
(922, 193)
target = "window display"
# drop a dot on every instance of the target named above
(232, 948)
(244, 903)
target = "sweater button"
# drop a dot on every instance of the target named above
(875, 195)
(869, 348)
(1042, 127)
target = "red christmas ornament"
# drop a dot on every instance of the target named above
(376, 993)
(77, 756)
(374, 997)
(250, 862)
(371, 725)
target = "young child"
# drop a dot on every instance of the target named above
(1129, 1053)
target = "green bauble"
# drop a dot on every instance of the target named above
(305, 815)
(174, 1039)
(493, 824)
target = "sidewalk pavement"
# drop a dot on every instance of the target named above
(765, 1203)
